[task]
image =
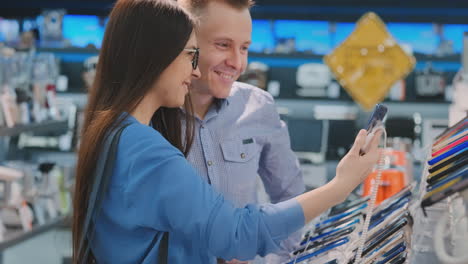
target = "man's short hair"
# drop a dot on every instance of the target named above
(196, 6)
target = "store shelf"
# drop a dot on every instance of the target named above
(310, 56)
(13, 238)
(39, 127)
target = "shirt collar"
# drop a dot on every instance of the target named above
(219, 104)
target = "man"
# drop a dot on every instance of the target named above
(238, 133)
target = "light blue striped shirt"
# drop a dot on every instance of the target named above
(241, 138)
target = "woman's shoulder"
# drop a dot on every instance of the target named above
(138, 137)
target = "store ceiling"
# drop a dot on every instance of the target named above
(453, 11)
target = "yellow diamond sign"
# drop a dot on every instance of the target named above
(369, 61)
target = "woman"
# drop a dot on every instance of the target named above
(147, 61)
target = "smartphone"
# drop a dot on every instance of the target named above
(321, 250)
(392, 229)
(376, 118)
(344, 214)
(314, 236)
(329, 231)
(383, 212)
(323, 228)
(325, 238)
(384, 222)
(392, 253)
(385, 247)
(400, 259)
(348, 205)
(375, 233)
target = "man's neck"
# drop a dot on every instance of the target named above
(201, 103)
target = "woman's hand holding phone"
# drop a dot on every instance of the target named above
(354, 167)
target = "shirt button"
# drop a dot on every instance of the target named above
(242, 155)
(210, 163)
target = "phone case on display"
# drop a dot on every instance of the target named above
(449, 153)
(450, 146)
(452, 187)
(458, 127)
(455, 160)
(450, 140)
(450, 135)
(439, 181)
(455, 137)
(447, 184)
(450, 159)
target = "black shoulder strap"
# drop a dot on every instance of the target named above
(163, 249)
(102, 176)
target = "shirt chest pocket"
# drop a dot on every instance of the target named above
(240, 150)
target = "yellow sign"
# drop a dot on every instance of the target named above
(369, 61)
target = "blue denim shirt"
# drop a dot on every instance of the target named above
(241, 138)
(154, 189)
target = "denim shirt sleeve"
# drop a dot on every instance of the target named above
(164, 193)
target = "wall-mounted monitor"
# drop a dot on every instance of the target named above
(83, 30)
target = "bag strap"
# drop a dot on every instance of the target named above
(163, 249)
(102, 176)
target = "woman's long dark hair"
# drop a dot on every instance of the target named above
(142, 38)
